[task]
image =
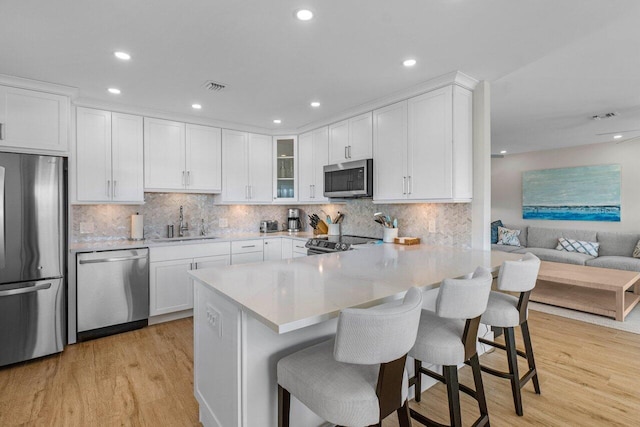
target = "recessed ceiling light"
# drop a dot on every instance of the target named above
(617, 136)
(503, 152)
(304, 14)
(315, 104)
(409, 62)
(114, 91)
(122, 55)
(277, 121)
(196, 106)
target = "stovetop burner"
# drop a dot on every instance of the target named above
(338, 243)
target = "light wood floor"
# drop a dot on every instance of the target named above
(589, 375)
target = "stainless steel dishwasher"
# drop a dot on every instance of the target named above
(112, 292)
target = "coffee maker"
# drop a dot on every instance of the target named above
(293, 220)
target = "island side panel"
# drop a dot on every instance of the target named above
(235, 362)
(217, 358)
(262, 348)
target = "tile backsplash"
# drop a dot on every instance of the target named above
(111, 222)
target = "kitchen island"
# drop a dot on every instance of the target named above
(247, 317)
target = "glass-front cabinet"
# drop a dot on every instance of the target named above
(285, 168)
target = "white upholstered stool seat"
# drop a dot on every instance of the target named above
(502, 311)
(439, 340)
(341, 393)
(358, 378)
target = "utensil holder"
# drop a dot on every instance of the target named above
(389, 234)
(334, 229)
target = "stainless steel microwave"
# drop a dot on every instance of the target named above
(349, 179)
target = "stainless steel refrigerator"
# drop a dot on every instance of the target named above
(32, 256)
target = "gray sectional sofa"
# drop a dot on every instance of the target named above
(616, 249)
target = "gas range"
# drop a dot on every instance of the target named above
(328, 244)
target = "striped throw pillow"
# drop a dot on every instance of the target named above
(570, 245)
(636, 251)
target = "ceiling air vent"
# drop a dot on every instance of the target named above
(603, 116)
(214, 86)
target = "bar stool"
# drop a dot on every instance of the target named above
(448, 337)
(506, 312)
(358, 378)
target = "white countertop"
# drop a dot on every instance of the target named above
(292, 294)
(108, 245)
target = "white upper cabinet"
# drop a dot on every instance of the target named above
(390, 152)
(247, 167)
(313, 155)
(423, 148)
(351, 139)
(182, 157)
(203, 158)
(285, 169)
(109, 157)
(164, 155)
(33, 122)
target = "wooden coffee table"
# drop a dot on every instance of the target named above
(592, 289)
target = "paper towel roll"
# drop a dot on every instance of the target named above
(137, 227)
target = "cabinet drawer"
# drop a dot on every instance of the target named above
(299, 247)
(246, 246)
(184, 251)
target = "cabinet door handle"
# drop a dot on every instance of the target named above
(114, 188)
(1, 131)
(251, 191)
(248, 246)
(183, 178)
(404, 183)
(108, 188)
(345, 152)
(409, 185)
(188, 178)
(246, 191)
(349, 147)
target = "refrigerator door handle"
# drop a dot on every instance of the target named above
(2, 219)
(25, 290)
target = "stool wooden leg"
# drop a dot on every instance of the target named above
(417, 389)
(477, 379)
(450, 374)
(529, 350)
(284, 406)
(404, 419)
(512, 358)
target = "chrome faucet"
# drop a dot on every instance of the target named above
(183, 225)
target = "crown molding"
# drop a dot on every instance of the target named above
(455, 77)
(41, 86)
(158, 114)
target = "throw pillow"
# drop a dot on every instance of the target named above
(508, 237)
(570, 245)
(636, 251)
(494, 230)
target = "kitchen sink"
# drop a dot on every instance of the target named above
(183, 239)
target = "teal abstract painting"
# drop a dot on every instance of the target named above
(586, 193)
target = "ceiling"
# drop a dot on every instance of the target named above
(551, 64)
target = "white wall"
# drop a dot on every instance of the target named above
(506, 182)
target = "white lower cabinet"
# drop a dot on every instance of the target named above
(299, 248)
(170, 289)
(287, 248)
(273, 249)
(246, 251)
